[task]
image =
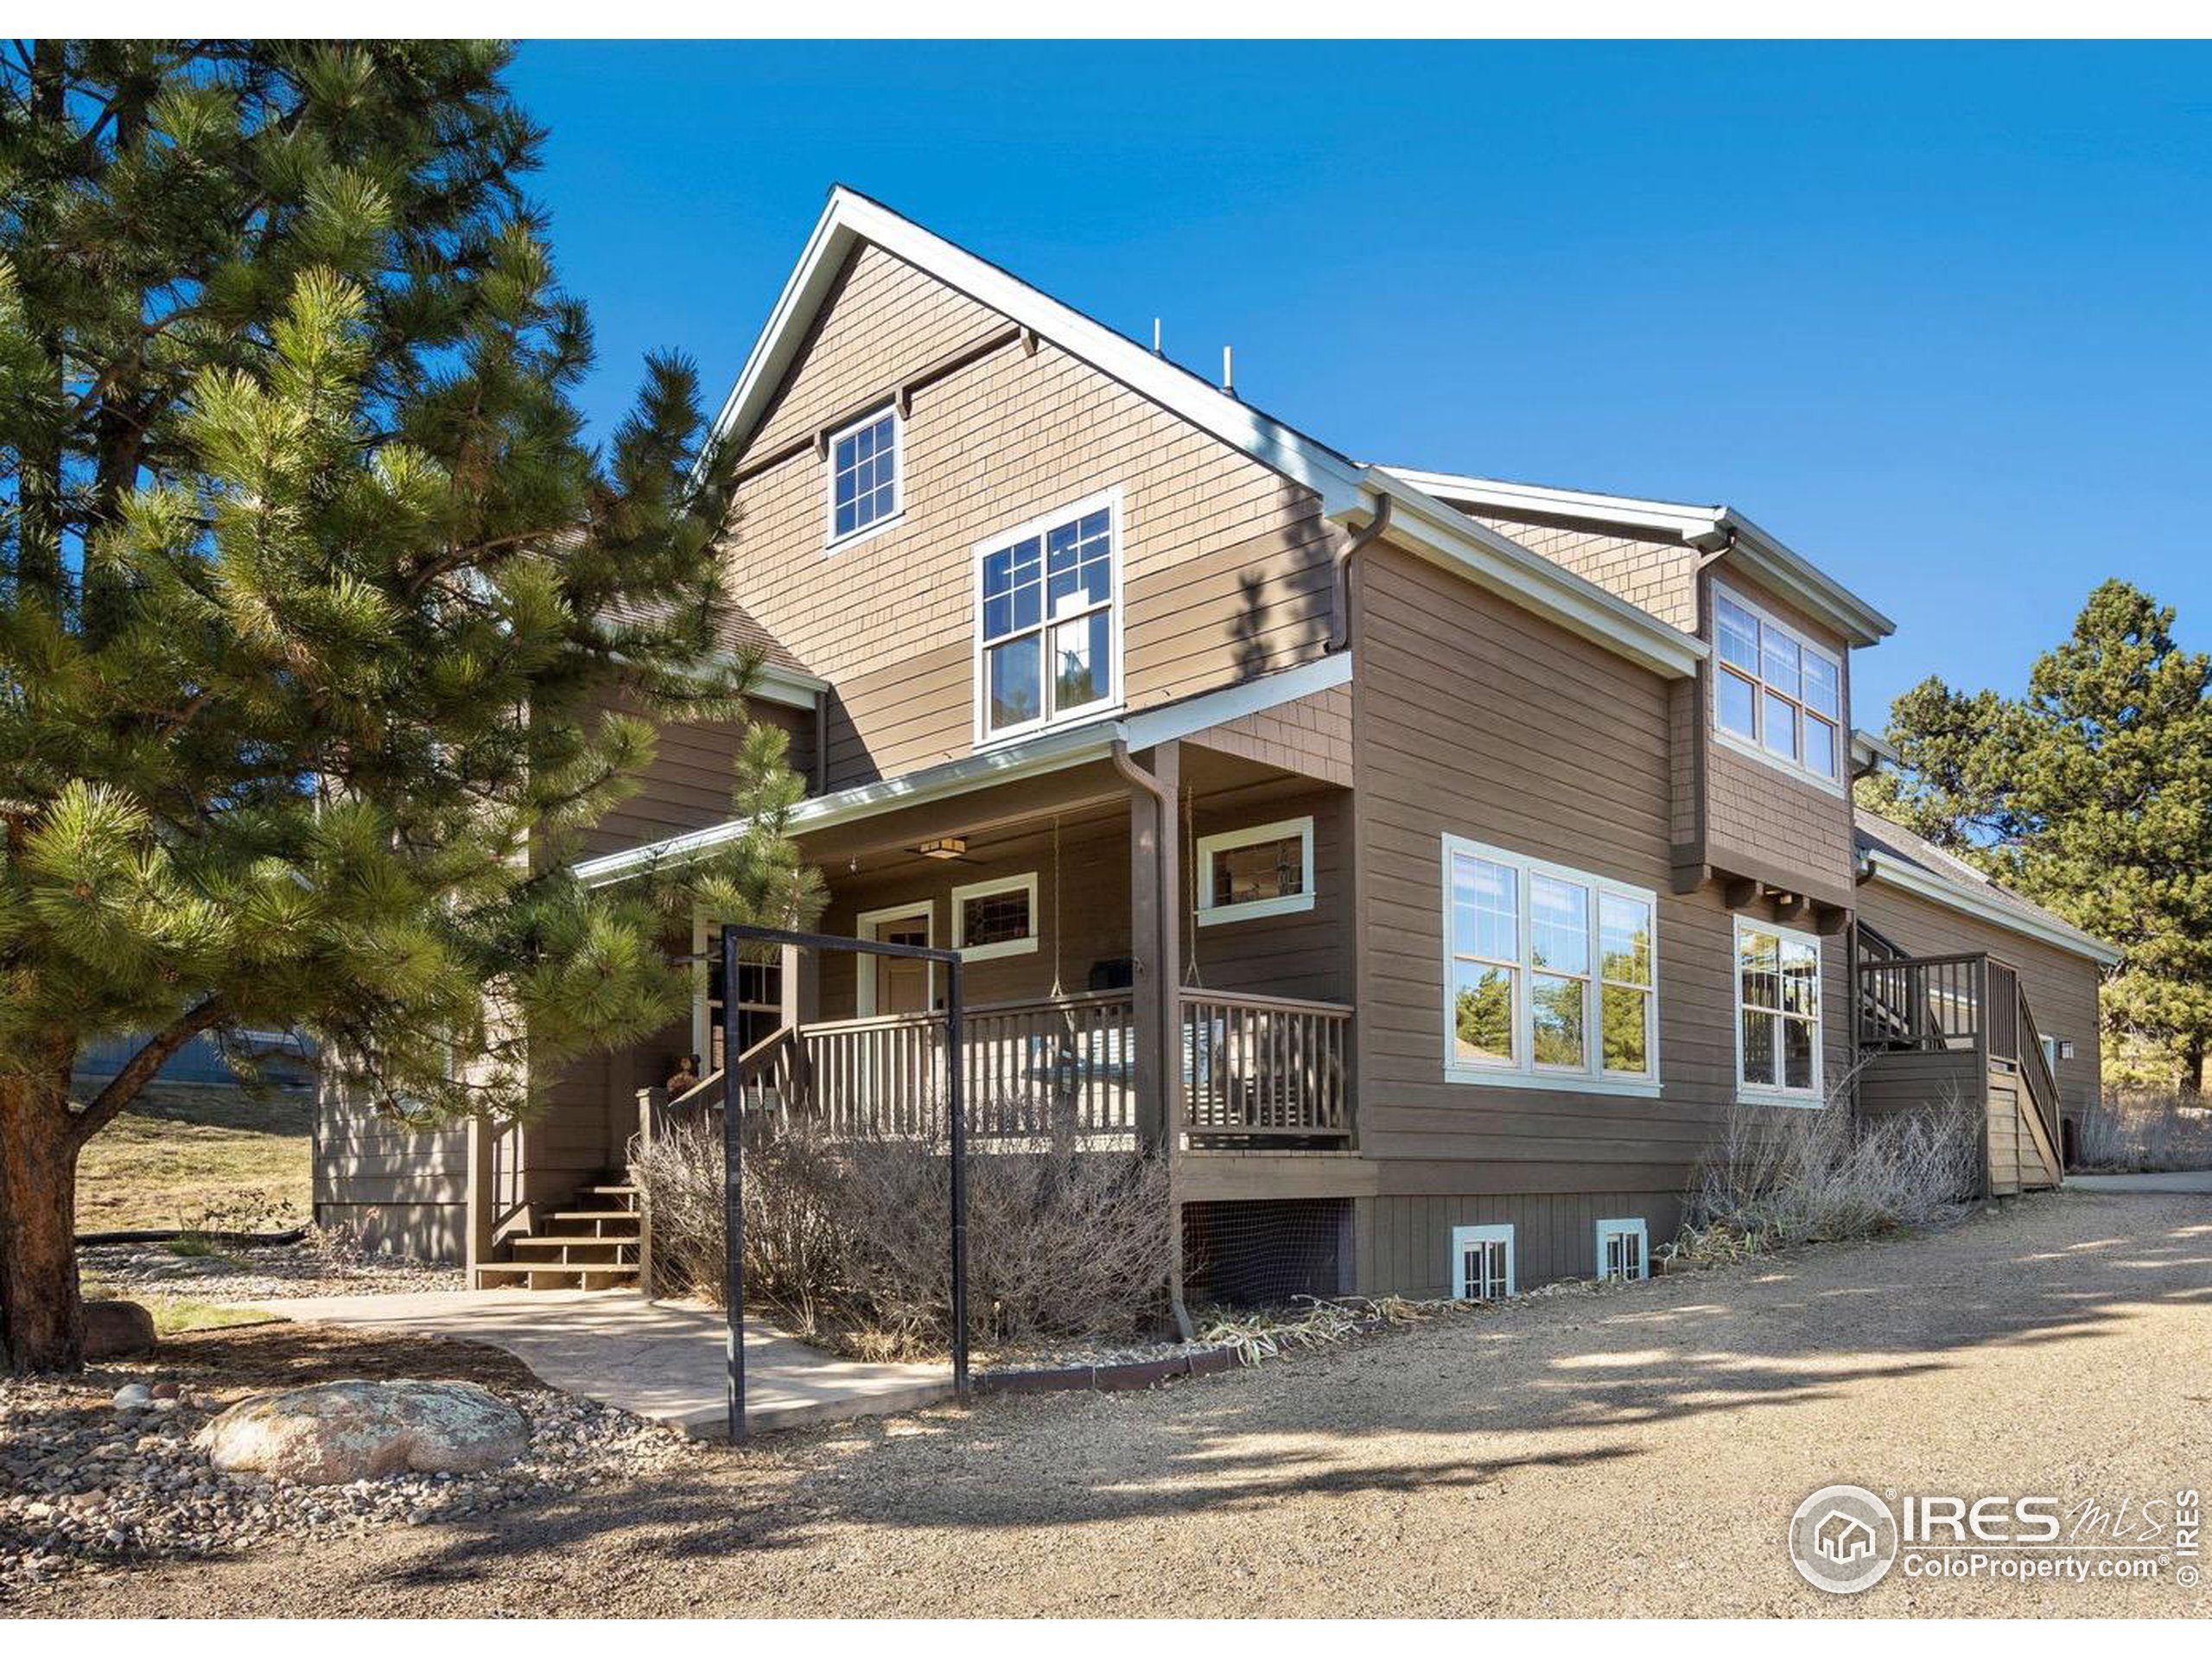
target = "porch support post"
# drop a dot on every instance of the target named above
(476, 1245)
(1154, 948)
(788, 972)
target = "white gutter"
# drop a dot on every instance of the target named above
(1031, 758)
(1926, 884)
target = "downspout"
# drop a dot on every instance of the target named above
(1340, 624)
(822, 742)
(1163, 798)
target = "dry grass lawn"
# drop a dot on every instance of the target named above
(195, 1155)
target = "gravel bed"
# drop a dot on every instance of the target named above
(252, 1272)
(87, 1485)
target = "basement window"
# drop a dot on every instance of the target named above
(1624, 1249)
(1482, 1263)
(1265, 870)
(995, 918)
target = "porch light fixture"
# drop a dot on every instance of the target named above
(944, 847)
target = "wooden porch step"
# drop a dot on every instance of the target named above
(578, 1249)
(583, 1275)
(601, 1218)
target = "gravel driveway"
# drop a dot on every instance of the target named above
(1636, 1453)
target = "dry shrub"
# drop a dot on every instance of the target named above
(2144, 1132)
(1778, 1178)
(848, 1239)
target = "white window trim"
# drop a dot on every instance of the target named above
(864, 964)
(1462, 1238)
(1229, 841)
(875, 526)
(1753, 746)
(1114, 702)
(1524, 1073)
(1634, 1224)
(1021, 947)
(1774, 1094)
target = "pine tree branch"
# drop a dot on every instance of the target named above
(125, 1086)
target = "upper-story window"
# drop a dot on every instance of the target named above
(1550, 977)
(864, 474)
(1048, 621)
(1776, 690)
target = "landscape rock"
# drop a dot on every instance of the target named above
(116, 1331)
(132, 1396)
(330, 1433)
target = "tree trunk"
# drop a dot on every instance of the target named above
(42, 1314)
(2192, 1069)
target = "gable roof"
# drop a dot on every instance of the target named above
(1893, 853)
(1763, 556)
(1350, 492)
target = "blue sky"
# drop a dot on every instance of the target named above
(1936, 316)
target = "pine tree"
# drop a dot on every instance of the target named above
(2092, 795)
(315, 601)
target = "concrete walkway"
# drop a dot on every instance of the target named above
(2171, 1181)
(661, 1360)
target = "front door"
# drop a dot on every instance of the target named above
(900, 984)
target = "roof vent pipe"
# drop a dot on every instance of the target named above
(1156, 352)
(1228, 370)
(1340, 622)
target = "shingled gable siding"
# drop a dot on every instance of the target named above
(1477, 719)
(2062, 987)
(1765, 814)
(1225, 564)
(1656, 576)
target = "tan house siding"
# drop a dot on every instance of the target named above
(689, 784)
(1759, 819)
(2062, 987)
(1225, 564)
(402, 1192)
(1660, 577)
(1477, 719)
(1312, 737)
(1402, 1242)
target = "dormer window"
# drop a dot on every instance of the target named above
(864, 470)
(1775, 692)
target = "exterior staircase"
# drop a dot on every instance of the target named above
(590, 1243)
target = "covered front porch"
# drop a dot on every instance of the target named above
(1156, 954)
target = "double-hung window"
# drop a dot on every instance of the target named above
(1048, 625)
(864, 467)
(1777, 1013)
(1550, 977)
(1775, 692)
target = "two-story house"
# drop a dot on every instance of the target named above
(1427, 864)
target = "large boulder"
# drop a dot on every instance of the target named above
(116, 1331)
(331, 1432)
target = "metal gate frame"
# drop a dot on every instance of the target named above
(734, 935)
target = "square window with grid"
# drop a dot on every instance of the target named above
(1482, 1263)
(864, 475)
(1624, 1249)
(994, 918)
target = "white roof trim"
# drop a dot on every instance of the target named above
(1936, 889)
(1796, 577)
(1048, 752)
(850, 218)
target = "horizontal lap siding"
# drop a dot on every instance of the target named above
(1477, 719)
(404, 1190)
(1226, 567)
(1304, 954)
(688, 785)
(2062, 989)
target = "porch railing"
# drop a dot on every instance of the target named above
(1265, 1065)
(1254, 1068)
(1920, 1002)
